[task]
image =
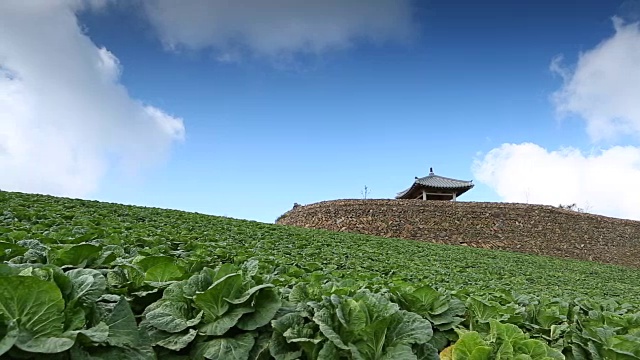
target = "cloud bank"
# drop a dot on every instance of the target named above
(278, 27)
(602, 89)
(64, 116)
(603, 182)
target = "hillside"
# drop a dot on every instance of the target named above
(61, 220)
(93, 280)
(533, 229)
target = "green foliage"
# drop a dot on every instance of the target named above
(572, 207)
(504, 341)
(89, 280)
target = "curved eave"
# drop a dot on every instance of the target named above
(458, 190)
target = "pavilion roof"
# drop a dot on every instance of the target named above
(439, 182)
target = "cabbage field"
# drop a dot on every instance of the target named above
(91, 280)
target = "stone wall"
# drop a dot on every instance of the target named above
(534, 229)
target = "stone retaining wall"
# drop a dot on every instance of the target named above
(534, 229)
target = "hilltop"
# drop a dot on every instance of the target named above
(532, 229)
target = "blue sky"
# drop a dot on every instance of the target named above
(249, 118)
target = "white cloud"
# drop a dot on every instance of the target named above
(604, 86)
(605, 182)
(603, 89)
(64, 116)
(277, 28)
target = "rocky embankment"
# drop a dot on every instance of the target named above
(534, 229)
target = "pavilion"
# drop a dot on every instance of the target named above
(435, 187)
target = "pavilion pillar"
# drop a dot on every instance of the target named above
(424, 194)
(454, 196)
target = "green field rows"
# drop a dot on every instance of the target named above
(91, 280)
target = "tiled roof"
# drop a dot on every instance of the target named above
(443, 182)
(440, 182)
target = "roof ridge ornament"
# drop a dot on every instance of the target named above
(431, 171)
